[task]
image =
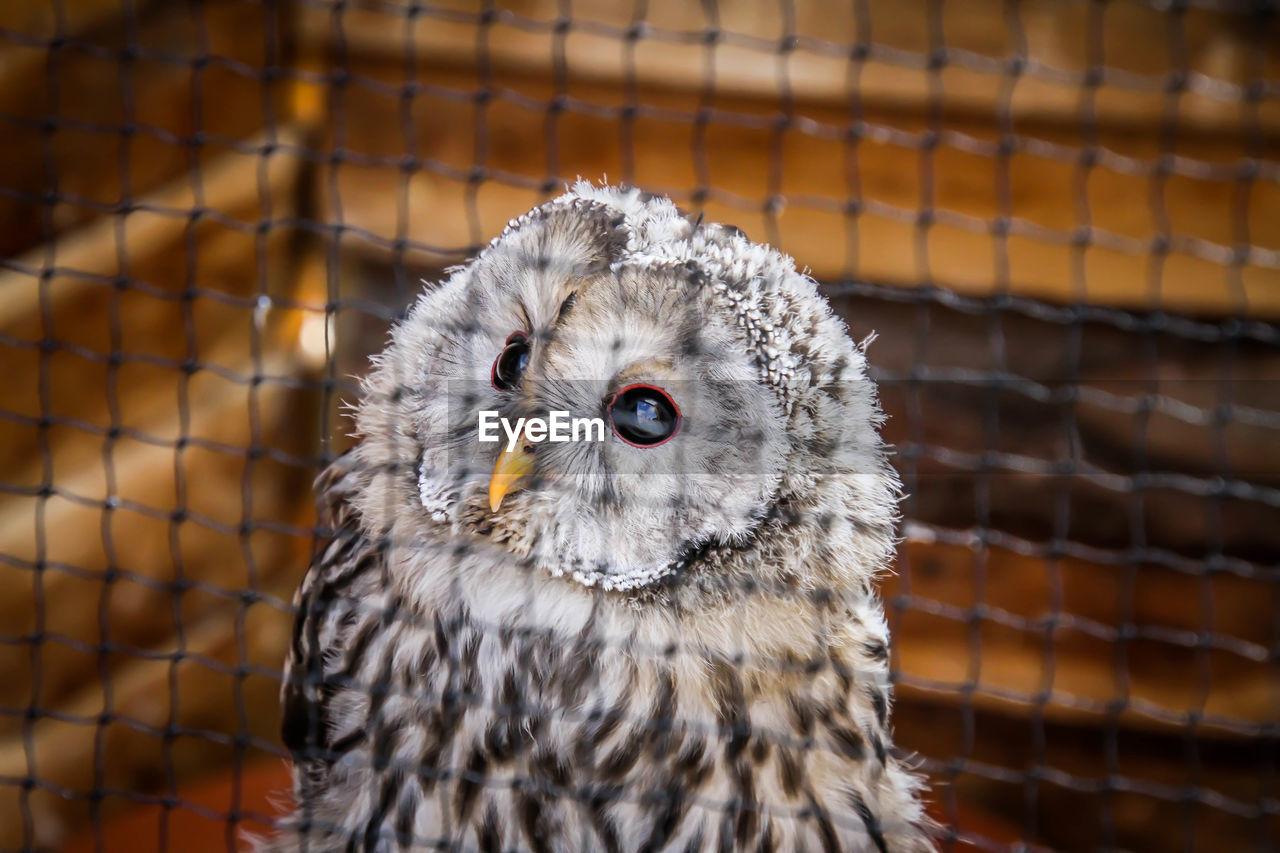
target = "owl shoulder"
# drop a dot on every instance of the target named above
(335, 607)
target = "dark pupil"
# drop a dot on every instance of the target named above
(511, 363)
(643, 416)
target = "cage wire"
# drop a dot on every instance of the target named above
(1090, 484)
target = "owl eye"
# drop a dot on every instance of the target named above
(510, 364)
(644, 415)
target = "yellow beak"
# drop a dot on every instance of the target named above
(513, 466)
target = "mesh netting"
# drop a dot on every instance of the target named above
(1061, 221)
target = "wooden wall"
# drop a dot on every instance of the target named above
(896, 140)
(149, 344)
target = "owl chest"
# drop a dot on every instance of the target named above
(540, 742)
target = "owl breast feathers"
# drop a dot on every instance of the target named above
(661, 635)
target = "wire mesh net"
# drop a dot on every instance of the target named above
(1062, 221)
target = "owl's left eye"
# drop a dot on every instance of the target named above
(644, 415)
(510, 364)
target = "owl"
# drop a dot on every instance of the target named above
(600, 568)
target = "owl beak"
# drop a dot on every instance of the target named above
(513, 465)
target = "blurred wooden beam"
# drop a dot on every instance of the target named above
(97, 560)
(220, 261)
(153, 367)
(202, 823)
(124, 590)
(176, 391)
(1067, 787)
(880, 200)
(109, 736)
(1022, 636)
(94, 129)
(234, 186)
(39, 19)
(810, 53)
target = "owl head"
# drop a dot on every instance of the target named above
(671, 402)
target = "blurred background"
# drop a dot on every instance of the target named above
(1062, 219)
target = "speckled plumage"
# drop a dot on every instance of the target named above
(677, 647)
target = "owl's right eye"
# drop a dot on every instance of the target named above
(510, 364)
